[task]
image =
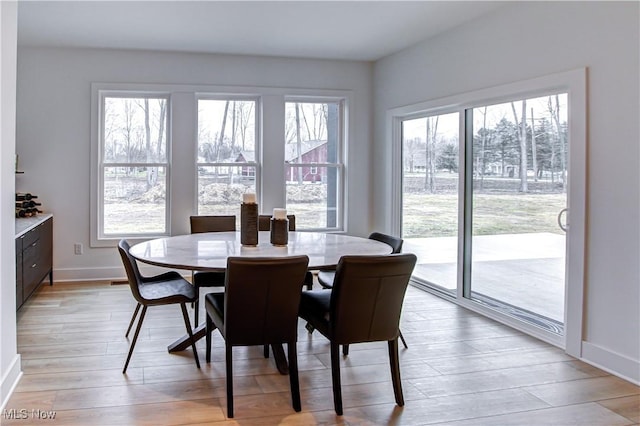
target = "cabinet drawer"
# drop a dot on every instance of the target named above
(34, 268)
(30, 257)
(30, 237)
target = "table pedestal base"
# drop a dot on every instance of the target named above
(199, 332)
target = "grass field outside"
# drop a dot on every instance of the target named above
(130, 208)
(436, 215)
(498, 206)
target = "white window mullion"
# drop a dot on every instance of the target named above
(183, 130)
(273, 191)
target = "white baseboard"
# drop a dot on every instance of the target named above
(88, 274)
(104, 273)
(10, 381)
(614, 363)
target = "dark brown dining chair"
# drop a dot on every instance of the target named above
(200, 279)
(164, 289)
(325, 278)
(264, 224)
(259, 307)
(363, 306)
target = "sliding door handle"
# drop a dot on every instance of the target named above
(562, 226)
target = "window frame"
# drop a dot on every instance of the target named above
(99, 94)
(573, 82)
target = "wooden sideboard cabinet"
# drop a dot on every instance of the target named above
(34, 256)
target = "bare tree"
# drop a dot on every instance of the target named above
(221, 134)
(555, 115)
(222, 130)
(299, 141)
(534, 154)
(162, 103)
(147, 137)
(483, 146)
(300, 110)
(522, 136)
(410, 148)
(244, 115)
(430, 169)
(127, 131)
(110, 131)
(233, 126)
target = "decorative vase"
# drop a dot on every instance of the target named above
(249, 224)
(279, 232)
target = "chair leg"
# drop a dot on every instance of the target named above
(209, 331)
(335, 378)
(308, 280)
(185, 315)
(265, 351)
(229, 358)
(345, 350)
(133, 318)
(403, 341)
(395, 371)
(293, 376)
(196, 309)
(135, 338)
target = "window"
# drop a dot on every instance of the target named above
(133, 164)
(161, 153)
(226, 157)
(313, 143)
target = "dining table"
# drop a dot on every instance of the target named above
(209, 251)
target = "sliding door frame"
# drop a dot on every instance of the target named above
(573, 82)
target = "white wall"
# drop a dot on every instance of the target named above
(9, 359)
(533, 39)
(53, 127)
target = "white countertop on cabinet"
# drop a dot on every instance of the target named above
(25, 224)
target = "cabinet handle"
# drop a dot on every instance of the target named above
(34, 265)
(34, 244)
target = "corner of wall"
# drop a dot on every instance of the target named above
(10, 368)
(10, 380)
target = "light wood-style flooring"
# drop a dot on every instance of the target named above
(460, 369)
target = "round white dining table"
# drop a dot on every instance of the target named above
(209, 251)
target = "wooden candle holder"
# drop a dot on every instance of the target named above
(249, 224)
(279, 232)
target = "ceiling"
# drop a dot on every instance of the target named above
(352, 30)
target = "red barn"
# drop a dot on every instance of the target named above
(310, 152)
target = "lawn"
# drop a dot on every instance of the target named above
(499, 210)
(436, 215)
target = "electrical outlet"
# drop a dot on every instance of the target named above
(77, 248)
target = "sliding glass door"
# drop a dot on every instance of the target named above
(430, 186)
(484, 204)
(517, 169)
